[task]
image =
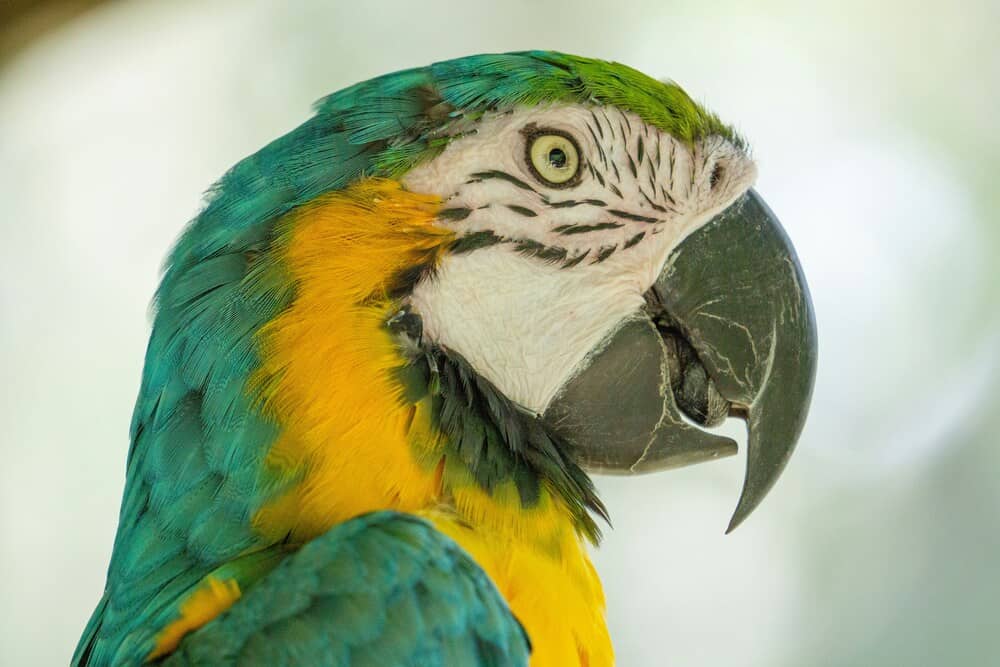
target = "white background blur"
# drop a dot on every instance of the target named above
(875, 128)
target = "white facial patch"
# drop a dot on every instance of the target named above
(522, 324)
(564, 266)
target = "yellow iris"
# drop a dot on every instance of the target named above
(554, 157)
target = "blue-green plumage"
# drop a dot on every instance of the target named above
(385, 589)
(196, 471)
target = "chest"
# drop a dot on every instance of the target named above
(555, 594)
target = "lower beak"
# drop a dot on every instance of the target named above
(728, 330)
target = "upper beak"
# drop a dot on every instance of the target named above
(729, 329)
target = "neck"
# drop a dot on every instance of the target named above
(548, 581)
(415, 426)
(520, 508)
(493, 446)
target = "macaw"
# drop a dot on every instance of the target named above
(393, 346)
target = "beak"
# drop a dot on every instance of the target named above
(728, 330)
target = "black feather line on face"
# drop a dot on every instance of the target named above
(652, 204)
(474, 241)
(604, 253)
(600, 177)
(600, 148)
(480, 176)
(632, 216)
(495, 439)
(522, 210)
(403, 282)
(632, 241)
(454, 214)
(540, 250)
(597, 123)
(566, 230)
(573, 261)
(576, 202)
(527, 247)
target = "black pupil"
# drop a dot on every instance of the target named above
(557, 158)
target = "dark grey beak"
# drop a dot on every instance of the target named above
(728, 330)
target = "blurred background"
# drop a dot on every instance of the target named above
(875, 129)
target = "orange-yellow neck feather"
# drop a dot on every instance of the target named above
(328, 360)
(353, 444)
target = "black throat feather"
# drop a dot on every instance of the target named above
(496, 439)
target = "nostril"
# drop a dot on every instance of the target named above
(718, 171)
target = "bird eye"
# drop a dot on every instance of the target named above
(554, 158)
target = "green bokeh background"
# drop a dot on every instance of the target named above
(875, 127)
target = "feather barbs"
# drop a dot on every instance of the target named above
(328, 360)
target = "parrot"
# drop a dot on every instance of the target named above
(393, 348)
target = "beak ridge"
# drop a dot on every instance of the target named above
(736, 291)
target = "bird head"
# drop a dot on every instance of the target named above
(550, 265)
(615, 275)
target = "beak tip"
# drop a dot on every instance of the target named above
(739, 515)
(755, 488)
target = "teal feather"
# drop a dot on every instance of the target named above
(385, 589)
